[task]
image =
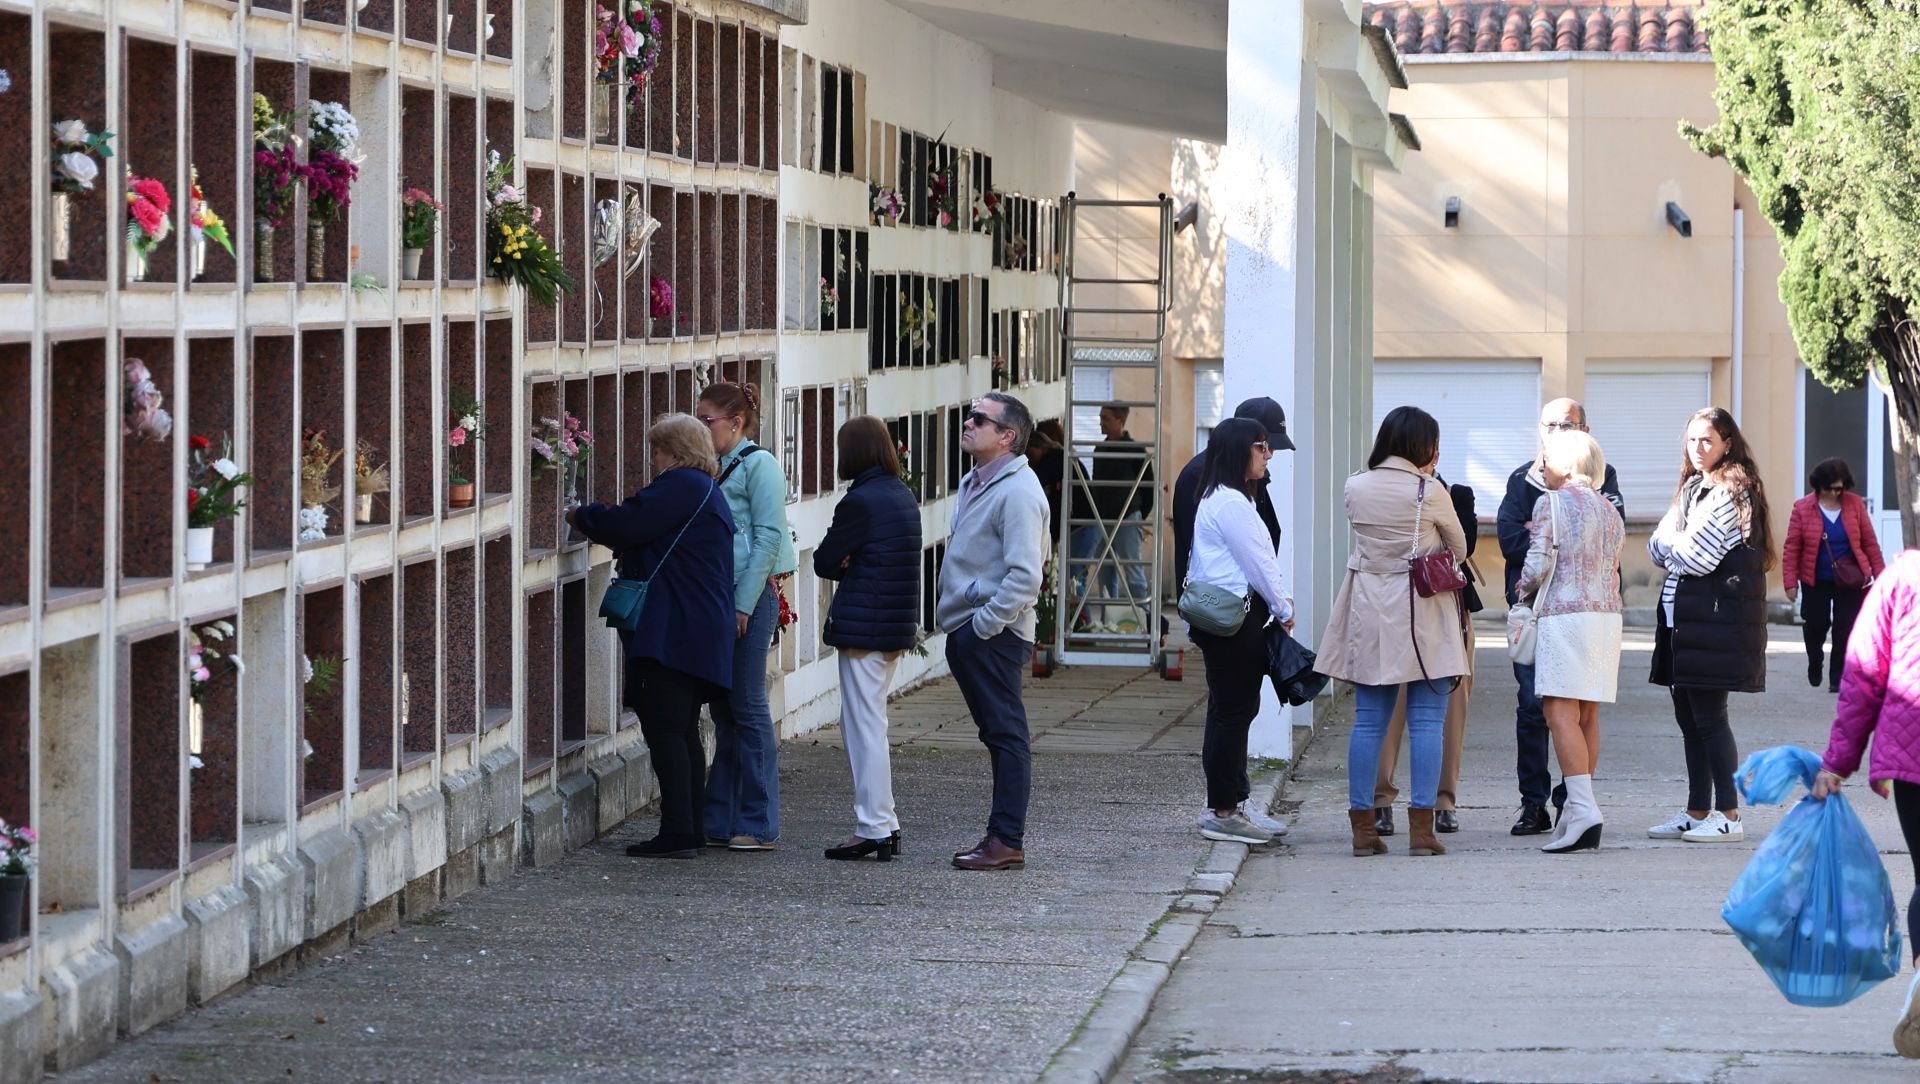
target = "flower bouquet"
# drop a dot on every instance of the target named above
(915, 322)
(202, 657)
(316, 483)
(147, 223)
(368, 480)
(562, 443)
(829, 299)
(204, 225)
(419, 214)
(469, 425)
(75, 168)
(940, 197)
(515, 253)
(141, 415)
(989, 212)
(276, 173)
(907, 474)
(659, 298)
(626, 48)
(884, 204)
(333, 164)
(213, 487)
(17, 864)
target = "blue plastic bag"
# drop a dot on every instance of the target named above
(1814, 906)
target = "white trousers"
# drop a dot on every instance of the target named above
(863, 725)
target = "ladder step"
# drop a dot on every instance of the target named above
(1078, 202)
(1116, 312)
(1116, 282)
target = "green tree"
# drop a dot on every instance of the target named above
(1820, 112)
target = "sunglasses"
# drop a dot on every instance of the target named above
(709, 419)
(1263, 446)
(1835, 489)
(979, 418)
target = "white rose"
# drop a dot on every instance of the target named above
(195, 762)
(469, 423)
(225, 468)
(79, 168)
(70, 131)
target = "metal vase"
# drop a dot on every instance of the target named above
(262, 250)
(62, 240)
(198, 250)
(316, 251)
(136, 261)
(603, 106)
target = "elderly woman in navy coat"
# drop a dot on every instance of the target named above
(873, 549)
(678, 532)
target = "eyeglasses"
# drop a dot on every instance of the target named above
(980, 418)
(1560, 427)
(1263, 446)
(1834, 489)
(709, 419)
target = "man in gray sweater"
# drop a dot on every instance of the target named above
(989, 580)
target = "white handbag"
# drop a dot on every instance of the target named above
(1523, 624)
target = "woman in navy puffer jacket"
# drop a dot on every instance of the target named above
(873, 549)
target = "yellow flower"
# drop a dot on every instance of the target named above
(508, 230)
(496, 259)
(516, 255)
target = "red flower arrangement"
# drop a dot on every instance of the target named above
(329, 181)
(659, 297)
(627, 46)
(147, 207)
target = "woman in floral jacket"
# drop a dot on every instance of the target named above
(1577, 538)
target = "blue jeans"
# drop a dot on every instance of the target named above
(743, 786)
(1530, 736)
(988, 673)
(1426, 723)
(1087, 546)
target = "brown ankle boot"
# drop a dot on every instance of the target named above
(1366, 839)
(1421, 841)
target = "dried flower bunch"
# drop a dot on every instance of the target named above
(16, 849)
(515, 252)
(141, 413)
(75, 151)
(419, 212)
(469, 424)
(626, 47)
(316, 468)
(559, 442)
(202, 217)
(333, 159)
(148, 206)
(276, 169)
(915, 321)
(368, 478)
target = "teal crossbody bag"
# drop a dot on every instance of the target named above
(626, 598)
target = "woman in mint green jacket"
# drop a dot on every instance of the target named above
(743, 787)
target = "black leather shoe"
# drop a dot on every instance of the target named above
(1383, 820)
(1445, 821)
(1533, 821)
(1813, 671)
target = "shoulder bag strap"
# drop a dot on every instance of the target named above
(742, 458)
(683, 531)
(1419, 502)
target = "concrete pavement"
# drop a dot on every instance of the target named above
(1498, 963)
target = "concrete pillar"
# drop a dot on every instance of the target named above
(1265, 189)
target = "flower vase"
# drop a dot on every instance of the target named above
(410, 262)
(602, 111)
(363, 508)
(136, 261)
(313, 523)
(460, 495)
(489, 26)
(573, 496)
(199, 548)
(13, 905)
(197, 246)
(262, 250)
(62, 239)
(316, 251)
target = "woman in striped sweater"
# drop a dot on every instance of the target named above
(1717, 548)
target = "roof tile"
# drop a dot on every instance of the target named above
(1571, 26)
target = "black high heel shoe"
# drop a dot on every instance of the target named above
(893, 842)
(882, 850)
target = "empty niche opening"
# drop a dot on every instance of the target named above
(750, 97)
(422, 21)
(660, 113)
(706, 92)
(543, 498)
(659, 401)
(686, 265)
(71, 835)
(683, 64)
(326, 468)
(147, 495)
(683, 389)
(660, 256)
(770, 102)
(854, 287)
(605, 289)
(463, 463)
(461, 615)
(420, 423)
(463, 27)
(377, 16)
(420, 657)
(208, 413)
(604, 463)
(148, 148)
(810, 441)
(275, 80)
(573, 248)
(753, 236)
(16, 471)
(727, 77)
(374, 466)
(633, 435)
(16, 769)
(463, 185)
(333, 12)
(496, 635)
(210, 112)
(769, 257)
(540, 659)
(728, 297)
(378, 715)
(576, 26)
(323, 694)
(330, 245)
(496, 452)
(213, 735)
(417, 159)
(150, 790)
(16, 137)
(573, 663)
(499, 30)
(542, 322)
(76, 465)
(77, 90)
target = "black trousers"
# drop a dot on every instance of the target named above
(1236, 665)
(1906, 800)
(989, 673)
(668, 704)
(1712, 755)
(1825, 606)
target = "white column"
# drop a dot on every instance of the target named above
(1265, 188)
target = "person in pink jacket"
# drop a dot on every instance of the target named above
(1880, 699)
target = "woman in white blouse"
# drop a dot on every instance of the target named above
(1231, 552)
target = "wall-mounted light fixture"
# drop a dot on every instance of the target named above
(1187, 216)
(1678, 219)
(1453, 212)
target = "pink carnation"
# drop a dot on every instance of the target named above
(457, 437)
(629, 41)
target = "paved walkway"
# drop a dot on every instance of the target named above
(1497, 963)
(769, 967)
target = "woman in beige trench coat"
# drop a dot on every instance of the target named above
(1382, 636)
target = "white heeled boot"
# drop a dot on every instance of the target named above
(1580, 824)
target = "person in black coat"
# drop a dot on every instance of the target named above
(676, 534)
(1186, 488)
(873, 549)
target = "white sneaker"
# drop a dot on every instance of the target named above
(1906, 1033)
(1715, 829)
(1258, 816)
(1675, 828)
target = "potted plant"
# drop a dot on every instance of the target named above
(368, 480)
(213, 488)
(276, 172)
(332, 166)
(75, 168)
(16, 871)
(203, 225)
(141, 414)
(316, 484)
(419, 213)
(469, 425)
(148, 205)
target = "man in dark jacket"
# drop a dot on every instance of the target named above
(1122, 498)
(1186, 489)
(1524, 487)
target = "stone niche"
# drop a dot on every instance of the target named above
(727, 78)
(604, 290)
(422, 428)
(753, 45)
(543, 323)
(573, 664)
(463, 27)
(463, 162)
(323, 721)
(686, 265)
(278, 80)
(417, 160)
(579, 403)
(711, 243)
(212, 86)
(732, 290)
(377, 18)
(660, 109)
(576, 30)
(16, 771)
(326, 85)
(539, 704)
(78, 391)
(207, 411)
(500, 37)
(461, 616)
(331, 12)
(706, 92)
(152, 677)
(660, 263)
(323, 391)
(603, 466)
(16, 475)
(148, 146)
(496, 452)
(16, 137)
(496, 633)
(462, 346)
(148, 498)
(543, 497)
(574, 222)
(77, 90)
(420, 661)
(683, 79)
(422, 21)
(634, 421)
(379, 717)
(373, 415)
(213, 735)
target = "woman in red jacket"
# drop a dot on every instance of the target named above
(1831, 556)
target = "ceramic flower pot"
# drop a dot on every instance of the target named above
(61, 242)
(199, 548)
(316, 251)
(410, 262)
(460, 495)
(262, 250)
(136, 262)
(363, 508)
(13, 905)
(602, 110)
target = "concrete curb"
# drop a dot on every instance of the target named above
(1105, 1034)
